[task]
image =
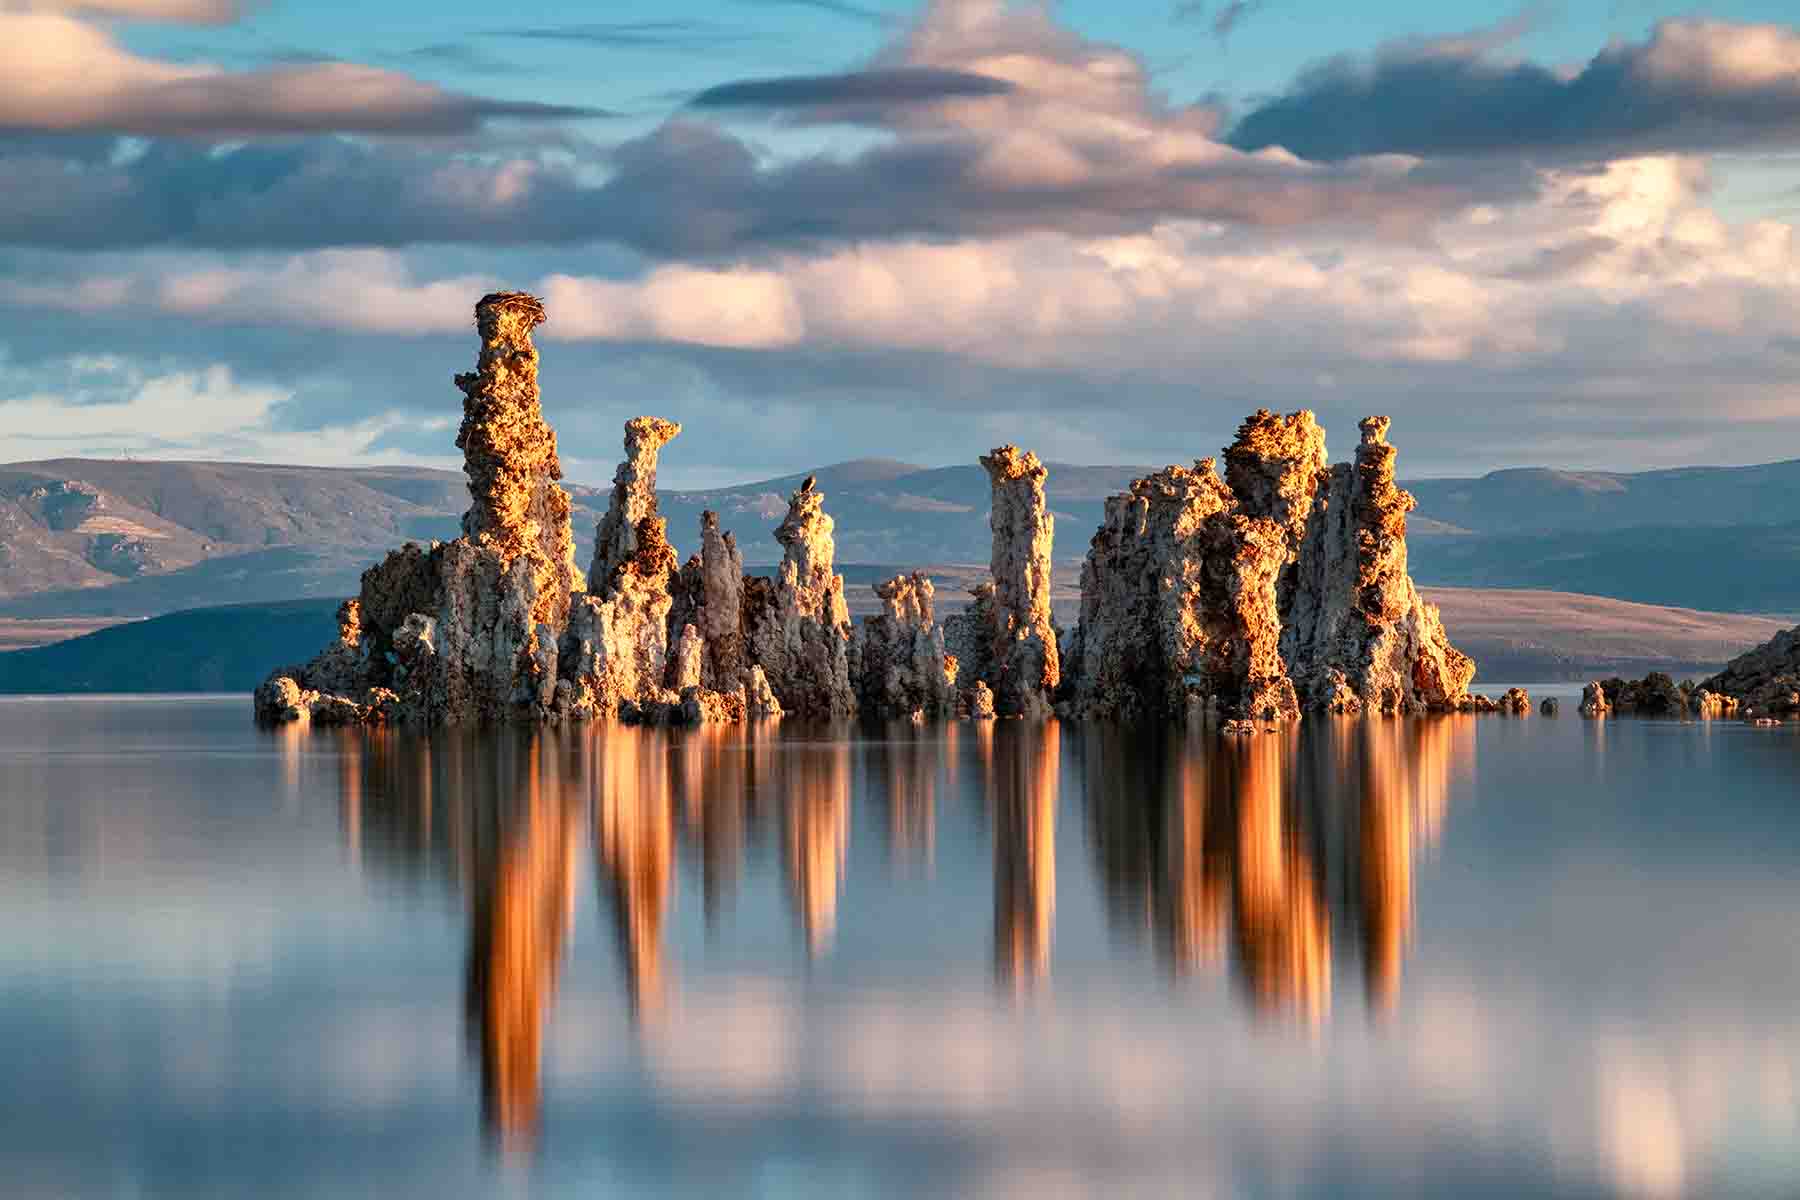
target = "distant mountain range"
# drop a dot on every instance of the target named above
(81, 537)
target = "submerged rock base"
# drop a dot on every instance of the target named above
(1281, 587)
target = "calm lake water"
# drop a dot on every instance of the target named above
(1473, 957)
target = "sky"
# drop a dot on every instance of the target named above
(815, 230)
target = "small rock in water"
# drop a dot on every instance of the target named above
(1550, 707)
(1238, 728)
(1516, 701)
(1594, 702)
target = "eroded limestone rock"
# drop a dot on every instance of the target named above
(1178, 605)
(1208, 596)
(1276, 468)
(615, 652)
(904, 668)
(1593, 701)
(466, 630)
(509, 456)
(1356, 634)
(798, 630)
(633, 500)
(1026, 666)
(1763, 680)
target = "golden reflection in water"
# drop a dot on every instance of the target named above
(906, 759)
(816, 833)
(634, 838)
(715, 782)
(1282, 931)
(1248, 843)
(522, 904)
(1026, 760)
(1247, 852)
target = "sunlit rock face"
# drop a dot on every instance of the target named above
(509, 455)
(799, 630)
(1282, 585)
(1178, 610)
(1356, 635)
(615, 650)
(1279, 587)
(1026, 666)
(904, 668)
(633, 498)
(465, 630)
(1760, 681)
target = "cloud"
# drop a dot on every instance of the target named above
(185, 12)
(1231, 15)
(837, 8)
(1061, 134)
(1578, 327)
(896, 85)
(1692, 85)
(58, 74)
(636, 35)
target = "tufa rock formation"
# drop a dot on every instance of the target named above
(1355, 633)
(1282, 586)
(466, 630)
(633, 501)
(905, 671)
(1279, 587)
(1760, 681)
(1178, 605)
(1593, 701)
(1025, 664)
(798, 631)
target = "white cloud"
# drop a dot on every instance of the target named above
(63, 74)
(187, 12)
(88, 405)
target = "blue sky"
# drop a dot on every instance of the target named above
(820, 229)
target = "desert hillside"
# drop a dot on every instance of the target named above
(111, 539)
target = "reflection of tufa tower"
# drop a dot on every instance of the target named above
(816, 834)
(1246, 844)
(526, 837)
(634, 838)
(1026, 758)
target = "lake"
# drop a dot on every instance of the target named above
(1455, 956)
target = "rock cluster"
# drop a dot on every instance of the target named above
(1280, 587)
(1761, 681)
(1355, 633)
(905, 670)
(799, 631)
(468, 629)
(1658, 695)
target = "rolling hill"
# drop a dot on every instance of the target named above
(117, 539)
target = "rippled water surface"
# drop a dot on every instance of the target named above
(1473, 957)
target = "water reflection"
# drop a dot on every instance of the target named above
(1024, 765)
(1245, 855)
(1252, 843)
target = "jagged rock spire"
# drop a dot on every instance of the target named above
(1355, 632)
(509, 455)
(633, 499)
(1025, 656)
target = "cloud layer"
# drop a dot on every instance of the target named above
(1692, 85)
(994, 219)
(58, 74)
